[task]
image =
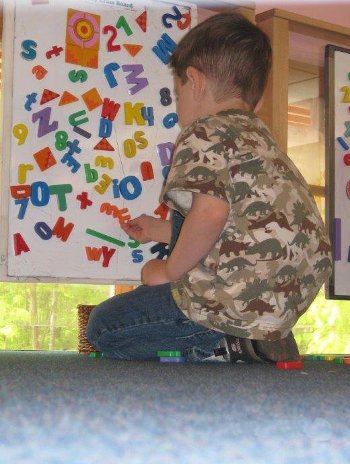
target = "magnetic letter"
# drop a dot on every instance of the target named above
(84, 200)
(170, 120)
(104, 161)
(137, 256)
(164, 48)
(39, 72)
(107, 255)
(19, 244)
(165, 152)
(20, 191)
(108, 70)
(109, 109)
(29, 52)
(43, 230)
(78, 76)
(61, 230)
(125, 190)
(104, 184)
(105, 128)
(133, 78)
(134, 112)
(61, 191)
(22, 172)
(31, 98)
(147, 170)
(74, 118)
(44, 122)
(162, 249)
(90, 174)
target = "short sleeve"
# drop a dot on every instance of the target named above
(199, 166)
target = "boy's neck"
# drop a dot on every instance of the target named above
(213, 107)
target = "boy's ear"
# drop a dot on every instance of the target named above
(259, 105)
(197, 80)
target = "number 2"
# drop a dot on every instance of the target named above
(346, 97)
(110, 46)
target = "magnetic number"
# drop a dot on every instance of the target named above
(346, 97)
(122, 23)
(23, 202)
(165, 97)
(20, 131)
(110, 46)
(187, 21)
(61, 140)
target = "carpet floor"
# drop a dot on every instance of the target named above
(68, 408)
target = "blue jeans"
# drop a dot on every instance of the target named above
(137, 324)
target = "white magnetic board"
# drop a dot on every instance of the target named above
(89, 127)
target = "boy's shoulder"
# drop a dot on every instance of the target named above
(228, 129)
(223, 125)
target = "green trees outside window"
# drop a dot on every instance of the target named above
(325, 327)
(44, 316)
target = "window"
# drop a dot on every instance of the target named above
(44, 316)
(325, 327)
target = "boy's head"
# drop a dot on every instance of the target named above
(232, 53)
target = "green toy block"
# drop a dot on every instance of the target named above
(95, 354)
(329, 357)
(169, 354)
(311, 357)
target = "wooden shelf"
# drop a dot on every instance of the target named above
(301, 20)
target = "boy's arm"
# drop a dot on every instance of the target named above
(200, 230)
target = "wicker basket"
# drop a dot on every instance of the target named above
(83, 317)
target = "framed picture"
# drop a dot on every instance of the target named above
(337, 80)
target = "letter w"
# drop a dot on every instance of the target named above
(109, 109)
(93, 254)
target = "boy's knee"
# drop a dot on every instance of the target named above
(95, 324)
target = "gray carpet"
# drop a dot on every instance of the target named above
(67, 408)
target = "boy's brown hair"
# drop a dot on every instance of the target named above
(233, 53)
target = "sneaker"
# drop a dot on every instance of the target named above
(284, 349)
(236, 349)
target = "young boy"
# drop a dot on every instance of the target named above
(249, 251)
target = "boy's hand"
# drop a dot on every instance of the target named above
(154, 272)
(138, 228)
(146, 228)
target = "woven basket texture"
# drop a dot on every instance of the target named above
(83, 317)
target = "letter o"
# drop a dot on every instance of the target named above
(125, 189)
(43, 230)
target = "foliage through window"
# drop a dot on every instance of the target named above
(44, 316)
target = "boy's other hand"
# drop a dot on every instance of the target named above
(139, 228)
(154, 273)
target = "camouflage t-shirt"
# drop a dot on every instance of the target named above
(273, 254)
